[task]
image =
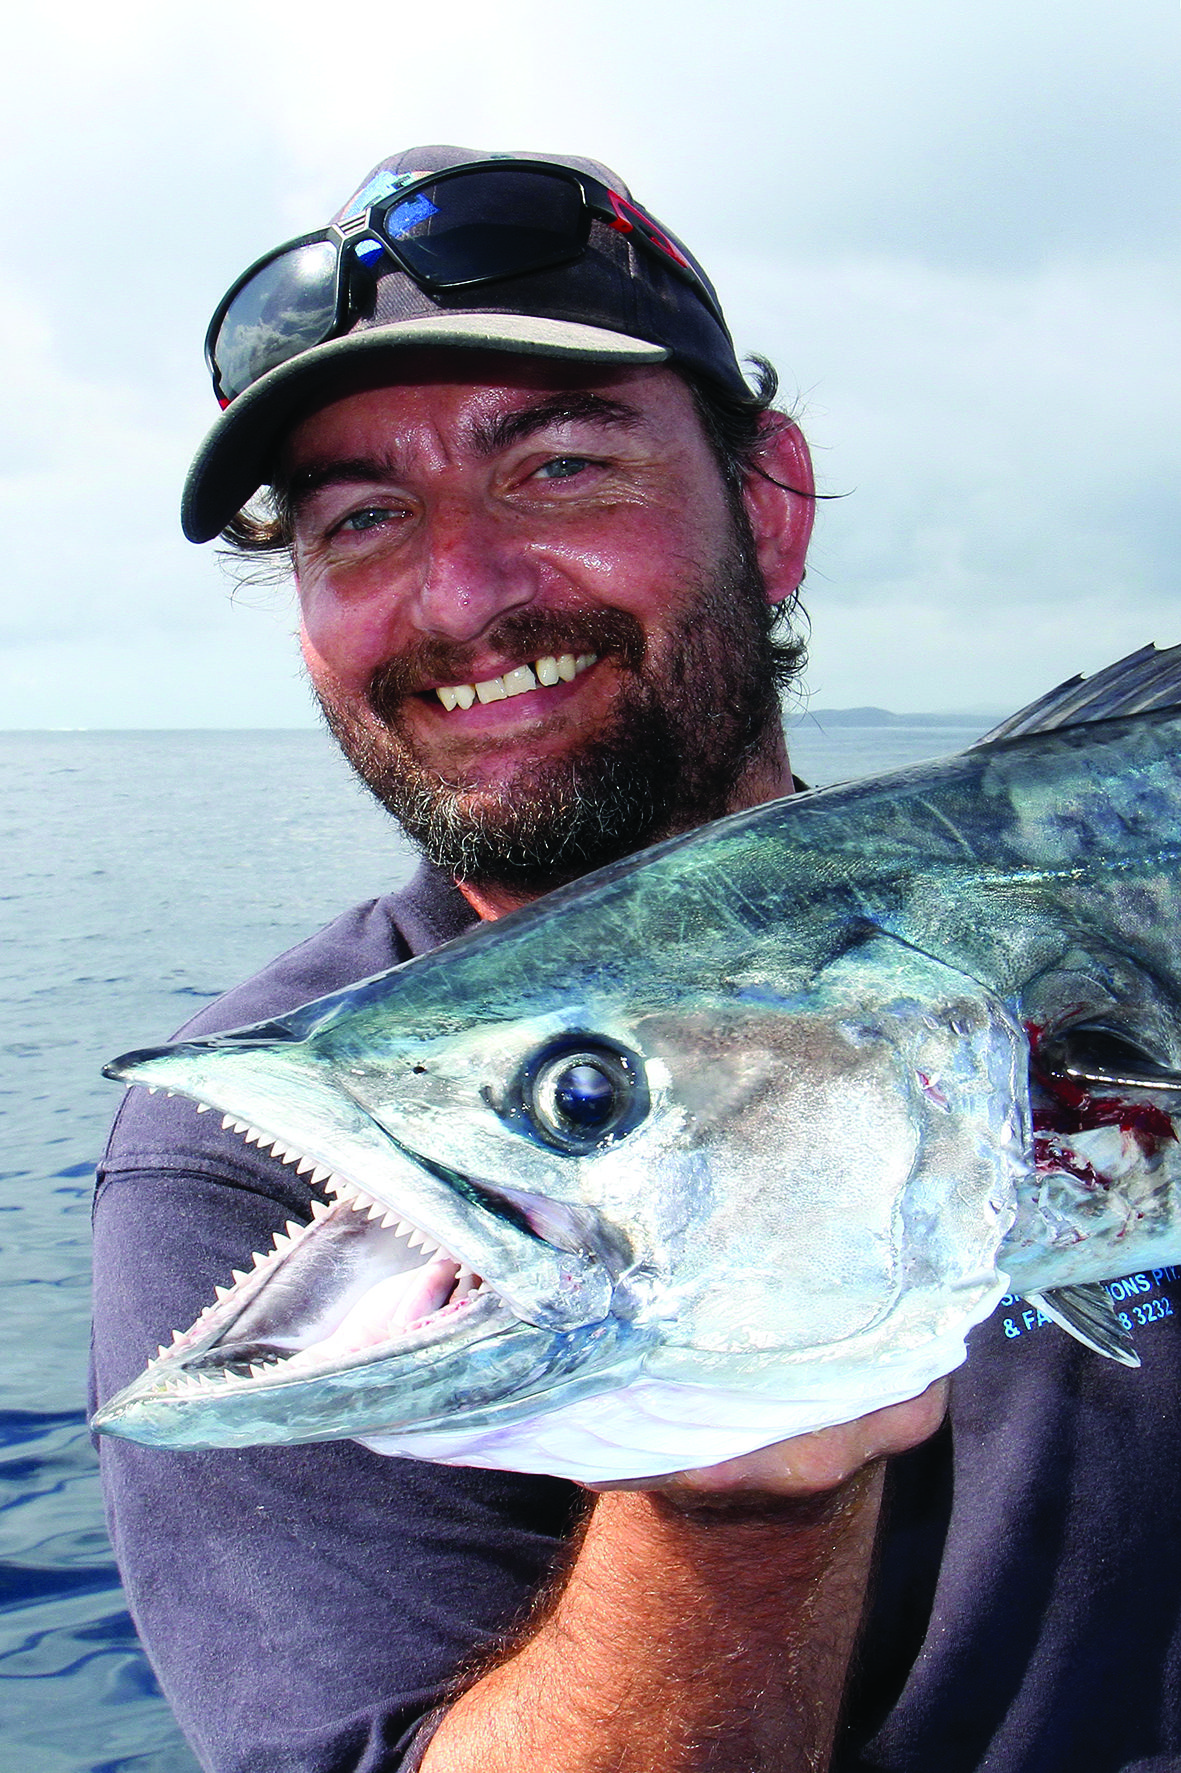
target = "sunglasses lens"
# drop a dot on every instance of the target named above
(490, 224)
(286, 307)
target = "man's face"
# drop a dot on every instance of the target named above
(556, 552)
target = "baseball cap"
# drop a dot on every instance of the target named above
(632, 294)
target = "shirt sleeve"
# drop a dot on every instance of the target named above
(305, 1608)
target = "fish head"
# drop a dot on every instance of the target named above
(714, 1169)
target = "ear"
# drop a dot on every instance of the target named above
(780, 503)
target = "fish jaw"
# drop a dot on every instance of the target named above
(356, 1324)
(283, 1095)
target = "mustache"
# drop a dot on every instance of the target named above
(523, 634)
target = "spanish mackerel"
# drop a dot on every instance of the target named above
(730, 1141)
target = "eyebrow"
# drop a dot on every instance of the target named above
(491, 436)
(487, 438)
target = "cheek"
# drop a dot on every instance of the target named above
(639, 556)
(345, 637)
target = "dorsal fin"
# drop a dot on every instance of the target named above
(1144, 680)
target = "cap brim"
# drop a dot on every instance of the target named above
(236, 457)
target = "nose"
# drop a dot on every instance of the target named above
(474, 566)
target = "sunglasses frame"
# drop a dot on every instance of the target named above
(598, 201)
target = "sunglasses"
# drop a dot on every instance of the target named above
(457, 229)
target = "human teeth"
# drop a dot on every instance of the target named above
(517, 681)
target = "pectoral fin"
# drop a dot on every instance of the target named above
(1087, 1314)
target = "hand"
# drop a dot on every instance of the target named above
(809, 1464)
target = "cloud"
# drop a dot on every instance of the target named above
(946, 223)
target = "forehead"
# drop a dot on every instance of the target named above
(456, 396)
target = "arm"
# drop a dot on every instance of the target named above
(709, 1625)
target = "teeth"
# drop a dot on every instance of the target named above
(517, 682)
(202, 1108)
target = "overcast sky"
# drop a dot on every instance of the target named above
(952, 225)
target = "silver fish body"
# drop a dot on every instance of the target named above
(728, 1142)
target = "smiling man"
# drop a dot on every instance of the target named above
(544, 537)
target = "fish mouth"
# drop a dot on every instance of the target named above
(358, 1300)
(356, 1283)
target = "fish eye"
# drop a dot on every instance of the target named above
(581, 1094)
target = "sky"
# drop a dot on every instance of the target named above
(952, 226)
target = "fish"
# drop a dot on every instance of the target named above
(730, 1141)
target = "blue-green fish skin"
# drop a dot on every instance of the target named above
(825, 1166)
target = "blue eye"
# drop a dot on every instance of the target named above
(578, 1096)
(358, 521)
(563, 467)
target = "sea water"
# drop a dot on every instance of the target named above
(143, 874)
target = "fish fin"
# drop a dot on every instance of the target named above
(1144, 680)
(1087, 1314)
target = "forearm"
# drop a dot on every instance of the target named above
(683, 1640)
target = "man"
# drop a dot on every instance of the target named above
(539, 526)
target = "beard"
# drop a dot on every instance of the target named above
(695, 707)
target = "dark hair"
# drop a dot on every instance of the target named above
(262, 533)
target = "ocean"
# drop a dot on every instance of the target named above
(147, 872)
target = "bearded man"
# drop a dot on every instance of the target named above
(547, 544)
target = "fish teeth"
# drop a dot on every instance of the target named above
(203, 1108)
(239, 1275)
(221, 1293)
